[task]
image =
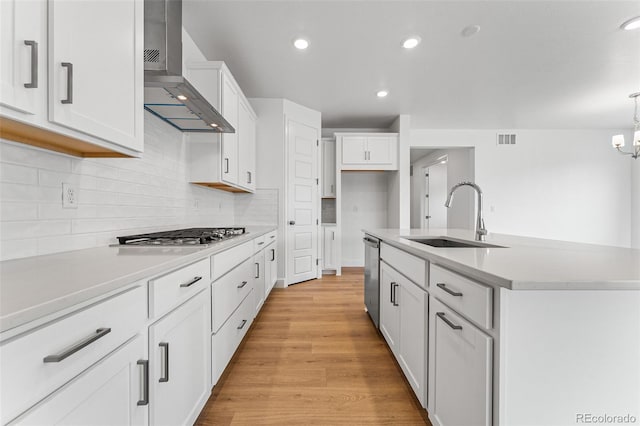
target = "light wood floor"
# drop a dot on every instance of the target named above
(314, 357)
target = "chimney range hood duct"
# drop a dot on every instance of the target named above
(167, 94)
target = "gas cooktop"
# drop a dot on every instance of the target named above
(181, 237)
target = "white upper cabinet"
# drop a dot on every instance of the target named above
(72, 76)
(95, 68)
(375, 151)
(328, 168)
(23, 45)
(224, 161)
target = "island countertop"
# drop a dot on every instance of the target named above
(525, 263)
(33, 287)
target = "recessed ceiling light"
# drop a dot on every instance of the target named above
(411, 42)
(470, 30)
(382, 94)
(213, 125)
(631, 24)
(301, 43)
(182, 97)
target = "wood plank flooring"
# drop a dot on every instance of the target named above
(314, 357)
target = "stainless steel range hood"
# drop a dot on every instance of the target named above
(167, 94)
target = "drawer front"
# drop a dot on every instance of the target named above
(270, 237)
(27, 378)
(223, 262)
(226, 341)
(227, 292)
(259, 243)
(411, 266)
(469, 298)
(170, 290)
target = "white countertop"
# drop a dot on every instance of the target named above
(526, 263)
(33, 287)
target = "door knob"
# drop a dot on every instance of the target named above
(292, 222)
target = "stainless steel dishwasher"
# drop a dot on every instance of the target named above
(372, 278)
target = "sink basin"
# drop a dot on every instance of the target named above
(451, 243)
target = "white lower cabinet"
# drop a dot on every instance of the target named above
(270, 268)
(403, 319)
(110, 393)
(329, 258)
(179, 363)
(460, 370)
(259, 280)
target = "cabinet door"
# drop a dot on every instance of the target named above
(247, 147)
(461, 369)
(259, 283)
(180, 363)
(329, 247)
(328, 169)
(110, 392)
(389, 312)
(273, 269)
(230, 140)
(413, 320)
(380, 149)
(96, 68)
(23, 46)
(353, 150)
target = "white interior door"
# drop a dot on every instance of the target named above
(302, 196)
(435, 196)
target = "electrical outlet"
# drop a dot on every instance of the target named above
(196, 203)
(69, 196)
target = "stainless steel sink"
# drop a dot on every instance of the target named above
(451, 243)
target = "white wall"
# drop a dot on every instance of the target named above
(364, 205)
(116, 196)
(635, 204)
(399, 192)
(558, 184)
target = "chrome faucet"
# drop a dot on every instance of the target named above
(481, 231)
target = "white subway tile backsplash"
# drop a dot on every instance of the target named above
(115, 196)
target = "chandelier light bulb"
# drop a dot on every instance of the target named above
(617, 141)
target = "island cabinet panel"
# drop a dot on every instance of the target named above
(460, 370)
(389, 312)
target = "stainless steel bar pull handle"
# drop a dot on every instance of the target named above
(145, 382)
(243, 284)
(242, 324)
(451, 292)
(101, 332)
(248, 177)
(395, 301)
(257, 270)
(69, 67)
(165, 372)
(33, 84)
(449, 323)
(226, 165)
(192, 282)
(391, 287)
(273, 255)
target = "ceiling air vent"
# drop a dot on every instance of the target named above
(151, 55)
(506, 139)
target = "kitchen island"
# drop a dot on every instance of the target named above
(524, 332)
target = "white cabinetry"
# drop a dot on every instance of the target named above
(329, 247)
(460, 370)
(328, 168)
(110, 392)
(224, 161)
(259, 280)
(84, 77)
(368, 151)
(403, 317)
(180, 363)
(23, 66)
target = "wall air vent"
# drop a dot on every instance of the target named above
(151, 55)
(506, 139)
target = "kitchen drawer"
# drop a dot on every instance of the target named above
(270, 237)
(409, 265)
(229, 291)
(225, 342)
(30, 370)
(225, 261)
(469, 298)
(170, 290)
(259, 243)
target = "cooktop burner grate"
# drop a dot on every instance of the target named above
(181, 237)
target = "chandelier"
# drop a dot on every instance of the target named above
(618, 140)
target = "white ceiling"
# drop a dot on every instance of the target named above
(534, 64)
